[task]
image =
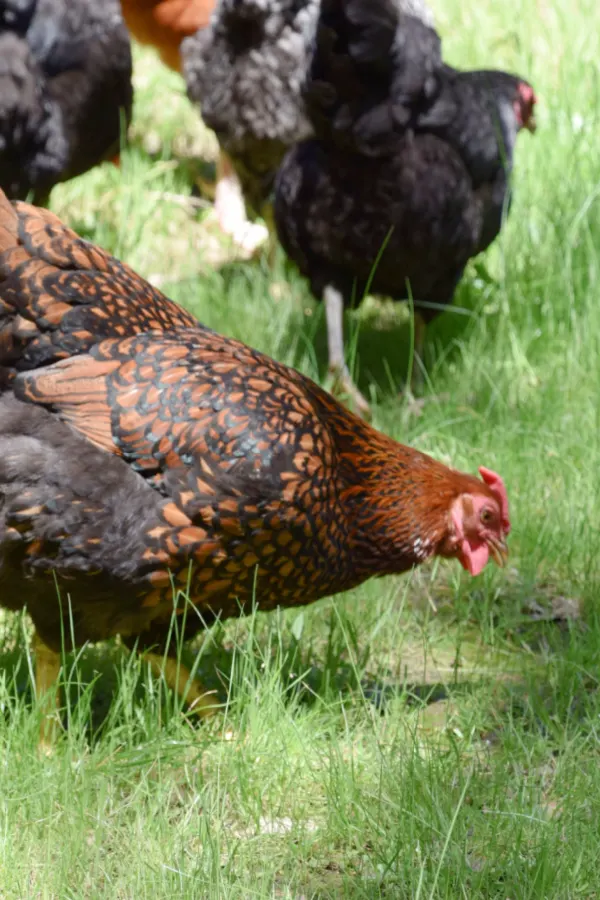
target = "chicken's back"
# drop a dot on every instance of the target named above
(46, 271)
(375, 67)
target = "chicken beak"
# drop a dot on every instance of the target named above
(531, 124)
(498, 550)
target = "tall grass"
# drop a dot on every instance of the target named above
(418, 738)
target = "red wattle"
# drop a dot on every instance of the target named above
(474, 557)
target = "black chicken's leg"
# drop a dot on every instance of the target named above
(416, 375)
(342, 382)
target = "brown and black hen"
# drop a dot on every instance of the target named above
(141, 453)
(409, 176)
(65, 90)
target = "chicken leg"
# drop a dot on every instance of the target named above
(419, 331)
(231, 209)
(414, 385)
(47, 668)
(179, 679)
(342, 382)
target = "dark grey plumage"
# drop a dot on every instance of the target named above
(374, 69)
(33, 147)
(247, 71)
(93, 514)
(65, 90)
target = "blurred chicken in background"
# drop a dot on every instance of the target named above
(246, 71)
(409, 175)
(65, 90)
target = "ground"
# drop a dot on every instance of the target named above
(425, 737)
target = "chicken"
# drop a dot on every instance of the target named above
(408, 177)
(142, 454)
(65, 90)
(163, 24)
(247, 71)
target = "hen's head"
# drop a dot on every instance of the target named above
(515, 99)
(479, 524)
(489, 97)
(524, 106)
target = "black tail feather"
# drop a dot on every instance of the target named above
(374, 70)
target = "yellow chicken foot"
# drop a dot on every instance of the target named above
(341, 380)
(47, 668)
(179, 679)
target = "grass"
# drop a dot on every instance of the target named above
(425, 737)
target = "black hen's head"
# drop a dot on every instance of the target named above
(33, 150)
(513, 96)
(524, 106)
(480, 114)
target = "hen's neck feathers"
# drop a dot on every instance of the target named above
(474, 113)
(397, 500)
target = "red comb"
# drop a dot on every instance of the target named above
(496, 485)
(528, 95)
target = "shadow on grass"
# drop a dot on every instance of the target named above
(96, 676)
(555, 651)
(378, 334)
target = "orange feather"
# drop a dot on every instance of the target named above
(163, 24)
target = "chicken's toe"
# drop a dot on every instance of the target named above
(179, 678)
(250, 236)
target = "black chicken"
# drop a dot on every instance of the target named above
(409, 175)
(65, 90)
(247, 71)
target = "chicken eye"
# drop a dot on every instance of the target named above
(487, 516)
